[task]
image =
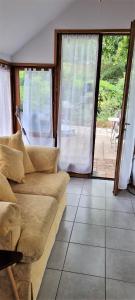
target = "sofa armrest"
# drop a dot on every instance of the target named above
(44, 159)
(9, 217)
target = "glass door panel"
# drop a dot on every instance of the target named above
(79, 58)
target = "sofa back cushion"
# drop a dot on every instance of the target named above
(11, 163)
(44, 159)
(6, 193)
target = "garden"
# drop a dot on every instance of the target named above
(113, 67)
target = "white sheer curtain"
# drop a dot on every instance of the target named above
(133, 170)
(37, 107)
(77, 99)
(5, 102)
(129, 137)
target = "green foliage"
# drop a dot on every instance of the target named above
(39, 89)
(21, 77)
(114, 58)
(110, 99)
(115, 49)
(112, 73)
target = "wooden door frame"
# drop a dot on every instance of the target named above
(124, 107)
(58, 44)
(57, 58)
(98, 72)
(15, 93)
(57, 62)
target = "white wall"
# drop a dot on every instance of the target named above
(82, 14)
(5, 57)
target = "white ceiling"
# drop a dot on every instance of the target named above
(21, 20)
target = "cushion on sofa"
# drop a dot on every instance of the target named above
(11, 163)
(6, 193)
(53, 185)
(37, 214)
(44, 159)
(16, 142)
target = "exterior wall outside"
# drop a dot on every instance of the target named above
(5, 57)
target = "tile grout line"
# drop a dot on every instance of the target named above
(109, 210)
(77, 273)
(100, 209)
(96, 225)
(100, 225)
(92, 275)
(95, 246)
(68, 244)
(133, 206)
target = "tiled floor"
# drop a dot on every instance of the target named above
(94, 254)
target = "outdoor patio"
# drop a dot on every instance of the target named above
(105, 153)
(75, 150)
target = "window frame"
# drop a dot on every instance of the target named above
(37, 67)
(57, 59)
(7, 64)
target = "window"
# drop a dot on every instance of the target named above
(5, 102)
(36, 106)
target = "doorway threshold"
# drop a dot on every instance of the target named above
(101, 178)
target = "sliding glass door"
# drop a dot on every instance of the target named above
(36, 106)
(79, 59)
(5, 102)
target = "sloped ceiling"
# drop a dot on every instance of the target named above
(21, 20)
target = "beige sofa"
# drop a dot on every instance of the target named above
(33, 223)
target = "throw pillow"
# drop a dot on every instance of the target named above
(16, 142)
(6, 193)
(11, 163)
(44, 159)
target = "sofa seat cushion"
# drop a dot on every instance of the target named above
(53, 185)
(37, 214)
